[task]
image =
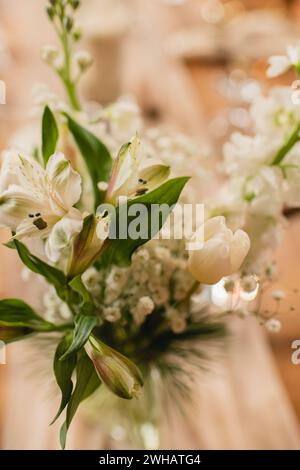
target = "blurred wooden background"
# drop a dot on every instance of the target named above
(187, 99)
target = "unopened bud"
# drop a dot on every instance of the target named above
(83, 59)
(118, 373)
(68, 22)
(49, 54)
(50, 12)
(74, 4)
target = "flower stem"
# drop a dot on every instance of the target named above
(65, 73)
(283, 151)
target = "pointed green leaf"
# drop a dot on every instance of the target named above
(18, 320)
(87, 303)
(63, 371)
(53, 275)
(49, 134)
(119, 251)
(84, 325)
(96, 156)
(86, 384)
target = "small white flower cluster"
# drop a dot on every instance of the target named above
(54, 309)
(158, 279)
(263, 174)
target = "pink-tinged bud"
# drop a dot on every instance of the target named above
(118, 373)
(8, 334)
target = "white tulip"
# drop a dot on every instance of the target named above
(222, 253)
(38, 203)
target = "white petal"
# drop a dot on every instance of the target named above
(125, 171)
(9, 170)
(15, 205)
(293, 53)
(240, 247)
(65, 183)
(32, 177)
(214, 226)
(278, 65)
(61, 235)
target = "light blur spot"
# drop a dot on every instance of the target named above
(212, 11)
(150, 435)
(219, 296)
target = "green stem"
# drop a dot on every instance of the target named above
(282, 152)
(66, 72)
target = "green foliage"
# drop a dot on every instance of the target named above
(86, 384)
(84, 325)
(49, 134)
(95, 154)
(119, 251)
(18, 320)
(63, 371)
(53, 275)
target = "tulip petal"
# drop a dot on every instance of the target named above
(239, 249)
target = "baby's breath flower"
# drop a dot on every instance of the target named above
(278, 295)
(273, 325)
(178, 324)
(249, 283)
(112, 314)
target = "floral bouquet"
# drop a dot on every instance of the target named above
(126, 300)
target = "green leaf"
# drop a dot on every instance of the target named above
(53, 275)
(84, 325)
(63, 371)
(18, 320)
(49, 134)
(87, 303)
(96, 156)
(86, 384)
(15, 312)
(119, 251)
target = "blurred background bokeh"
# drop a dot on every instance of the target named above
(193, 65)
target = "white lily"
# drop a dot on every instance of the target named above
(38, 202)
(129, 178)
(279, 64)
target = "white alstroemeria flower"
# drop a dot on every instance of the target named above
(222, 254)
(279, 64)
(38, 203)
(129, 179)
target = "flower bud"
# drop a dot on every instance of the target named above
(118, 373)
(68, 23)
(9, 334)
(50, 13)
(74, 4)
(83, 59)
(85, 248)
(49, 54)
